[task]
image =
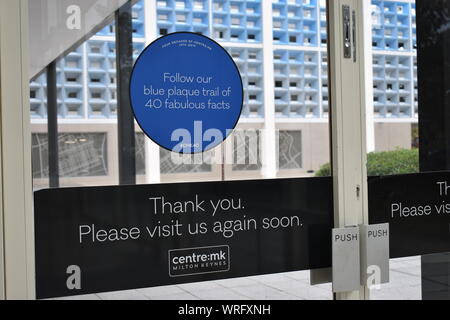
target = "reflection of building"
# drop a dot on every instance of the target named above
(287, 87)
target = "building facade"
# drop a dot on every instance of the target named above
(280, 48)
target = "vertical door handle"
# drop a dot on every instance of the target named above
(354, 34)
(349, 27)
(347, 32)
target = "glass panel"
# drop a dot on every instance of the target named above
(405, 281)
(87, 107)
(293, 104)
(395, 112)
(431, 91)
(402, 123)
(299, 105)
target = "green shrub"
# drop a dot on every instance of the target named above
(401, 161)
(324, 171)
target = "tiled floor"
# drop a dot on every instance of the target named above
(404, 285)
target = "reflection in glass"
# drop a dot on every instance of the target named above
(140, 153)
(80, 155)
(190, 165)
(246, 150)
(290, 150)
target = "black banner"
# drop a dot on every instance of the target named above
(115, 238)
(417, 208)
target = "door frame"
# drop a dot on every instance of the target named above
(351, 113)
(16, 228)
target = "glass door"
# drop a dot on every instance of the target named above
(396, 118)
(279, 145)
(272, 176)
(410, 41)
(314, 101)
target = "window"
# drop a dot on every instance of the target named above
(140, 154)
(73, 95)
(290, 150)
(246, 150)
(96, 95)
(191, 163)
(80, 155)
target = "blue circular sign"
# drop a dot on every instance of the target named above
(186, 92)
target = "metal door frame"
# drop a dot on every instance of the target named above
(16, 225)
(351, 112)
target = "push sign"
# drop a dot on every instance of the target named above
(186, 92)
(346, 259)
(360, 256)
(375, 254)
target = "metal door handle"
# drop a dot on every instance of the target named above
(347, 32)
(354, 34)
